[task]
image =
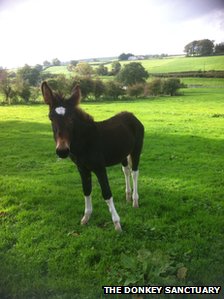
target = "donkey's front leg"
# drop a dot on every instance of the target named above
(107, 195)
(87, 188)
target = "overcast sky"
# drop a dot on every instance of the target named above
(36, 30)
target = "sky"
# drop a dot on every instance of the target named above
(33, 31)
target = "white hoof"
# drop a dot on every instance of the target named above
(135, 204)
(117, 226)
(85, 219)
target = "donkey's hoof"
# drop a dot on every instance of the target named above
(117, 226)
(85, 219)
(128, 196)
(135, 204)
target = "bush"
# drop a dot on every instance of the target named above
(170, 86)
(35, 95)
(132, 73)
(102, 70)
(86, 86)
(61, 84)
(154, 87)
(99, 89)
(114, 90)
(116, 67)
(84, 69)
(135, 90)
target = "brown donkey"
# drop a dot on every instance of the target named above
(93, 146)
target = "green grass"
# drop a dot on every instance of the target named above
(204, 82)
(181, 64)
(57, 70)
(46, 253)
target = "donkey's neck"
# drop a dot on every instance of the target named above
(84, 116)
(84, 131)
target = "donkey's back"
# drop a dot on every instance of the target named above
(121, 135)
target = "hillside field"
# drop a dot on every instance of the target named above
(169, 64)
(176, 236)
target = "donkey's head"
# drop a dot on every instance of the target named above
(61, 116)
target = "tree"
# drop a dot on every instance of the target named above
(116, 67)
(114, 89)
(74, 62)
(99, 89)
(38, 67)
(102, 70)
(190, 49)
(155, 87)
(84, 69)
(56, 62)
(202, 47)
(46, 64)
(135, 90)
(61, 84)
(72, 65)
(219, 49)
(86, 86)
(30, 74)
(170, 86)
(124, 56)
(206, 47)
(22, 88)
(6, 85)
(132, 73)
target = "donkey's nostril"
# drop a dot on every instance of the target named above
(62, 153)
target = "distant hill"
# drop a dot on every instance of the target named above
(164, 65)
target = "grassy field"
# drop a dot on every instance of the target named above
(181, 64)
(175, 237)
(170, 64)
(204, 82)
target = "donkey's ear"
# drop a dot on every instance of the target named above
(76, 96)
(47, 93)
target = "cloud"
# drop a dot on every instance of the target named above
(184, 10)
(69, 29)
(7, 4)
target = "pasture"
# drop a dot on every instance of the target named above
(176, 236)
(169, 64)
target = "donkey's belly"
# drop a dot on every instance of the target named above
(115, 152)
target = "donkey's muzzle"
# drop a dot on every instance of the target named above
(62, 148)
(62, 153)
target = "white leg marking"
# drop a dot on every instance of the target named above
(88, 210)
(114, 214)
(135, 188)
(127, 173)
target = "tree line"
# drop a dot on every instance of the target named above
(204, 47)
(130, 80)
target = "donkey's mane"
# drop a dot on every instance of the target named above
(84, 116)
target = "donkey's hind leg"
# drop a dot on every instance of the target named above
(127, 174)
(135, 196)
(135, 156)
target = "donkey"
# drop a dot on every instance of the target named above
(93, 146)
